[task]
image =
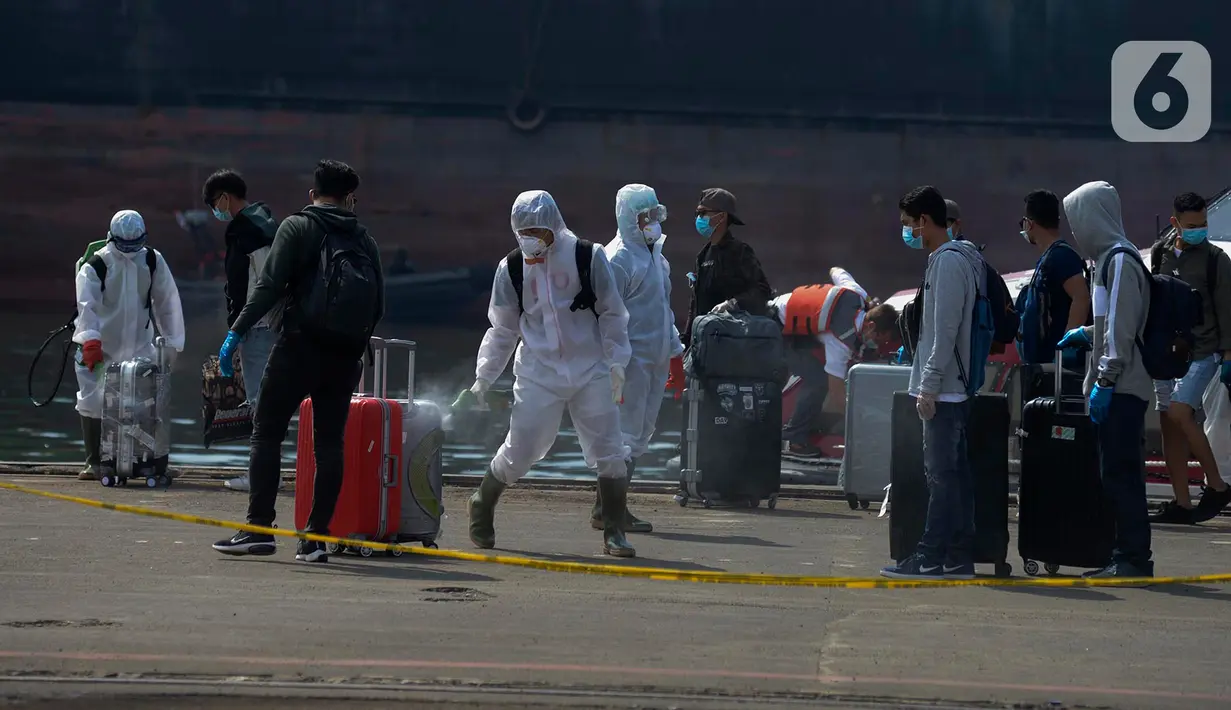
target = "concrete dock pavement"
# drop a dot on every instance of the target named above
(105, 609)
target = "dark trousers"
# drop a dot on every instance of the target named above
(948, 534)
(299, 369)
(1123, 468)
(807, 416)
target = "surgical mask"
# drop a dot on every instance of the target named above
(908, 236)
(129, 246)
(532, 246)
(652, 232)
(1194, 236)
(221, 216)
(704, 228)
(949, 231)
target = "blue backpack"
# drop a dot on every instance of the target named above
(1166, 344)
(984, 326)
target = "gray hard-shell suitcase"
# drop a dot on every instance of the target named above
(422, 451)
(136, 427)
(869, 412)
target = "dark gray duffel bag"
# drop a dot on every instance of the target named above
(736, 344)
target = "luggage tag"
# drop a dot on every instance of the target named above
(885, 503)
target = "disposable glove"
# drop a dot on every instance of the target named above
(1075, 338)
(1100, 403)
(480, 388)
(675, 380)
(925, 405)
(226, 354)
(617, 384)
(900, 358)
(723, 307)
(92, 353)
(1225, 373)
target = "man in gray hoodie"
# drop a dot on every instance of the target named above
(954, 277)
(1117, 384)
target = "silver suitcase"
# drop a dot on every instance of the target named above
(867, 450)
(136, 429)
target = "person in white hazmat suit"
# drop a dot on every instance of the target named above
(116, 318)
(567, 357)
(643, 278)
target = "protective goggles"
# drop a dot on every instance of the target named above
(656, 214)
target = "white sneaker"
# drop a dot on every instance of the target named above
(242, 484)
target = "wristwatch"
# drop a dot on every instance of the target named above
(1105, 383)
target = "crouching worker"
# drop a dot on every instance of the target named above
(824, 327)
(124, 291)
(643, 279)
(556, 295)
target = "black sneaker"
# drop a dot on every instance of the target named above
(309, 551)
(1172, 513)
(804, 451)
(246, 543)
(1122, 569)
(1211, 504)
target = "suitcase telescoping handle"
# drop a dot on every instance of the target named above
(160, 347)
(380, 367)
(1059, 395)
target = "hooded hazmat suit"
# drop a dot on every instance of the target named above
(643, 278)
(117, 315)
(564, 358)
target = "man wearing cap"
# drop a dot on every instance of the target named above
(728, 274)
(953, 218)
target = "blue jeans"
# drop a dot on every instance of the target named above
(805, 418)
(1122, 464)
(253, 354)
(948, 534)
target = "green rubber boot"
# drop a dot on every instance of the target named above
(483, 511)
(632, 524)
(92, 434)
(613, 492)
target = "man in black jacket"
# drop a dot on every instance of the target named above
(249, 235)
(327, 267)
(728, 274)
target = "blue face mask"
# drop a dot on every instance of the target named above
(221, 216)
(1194, 236)
(949, 231)
(704, 228)
(908, 236)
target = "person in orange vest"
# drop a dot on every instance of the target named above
(825, 327)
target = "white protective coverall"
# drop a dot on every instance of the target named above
(564, 357)
(117, 316)
(643, 278)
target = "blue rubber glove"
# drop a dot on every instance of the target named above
(1100, 402)
(1225, 373)
(1075, 338)
(900, 357)
(226, 354)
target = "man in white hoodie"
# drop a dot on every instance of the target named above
(1116, 382)
(643, 278)
(954, 278)
(555, 301)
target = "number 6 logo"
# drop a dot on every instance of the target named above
(1161, 92)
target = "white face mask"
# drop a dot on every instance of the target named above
(531, 246)
(652, 232)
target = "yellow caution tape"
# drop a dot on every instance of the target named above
(656, 573)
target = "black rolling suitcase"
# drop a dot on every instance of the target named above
(987, 441)
(1063, 517)
(731, 448)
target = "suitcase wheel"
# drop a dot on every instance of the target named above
(1031, 567)
(863, 504)
(1004, 570)
(852, 500)
(365, 552)
(107, 481)
(705, 503)
(773, 501)
(395, 552)
(1051, 568)
(682, 500)
(164, 481)
(754, 502)
(331, 548)
(432, 544)
(151, 482)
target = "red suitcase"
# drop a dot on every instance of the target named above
(370, 503)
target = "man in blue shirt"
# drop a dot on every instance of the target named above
(1059, 288)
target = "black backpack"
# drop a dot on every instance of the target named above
(339, 303)
(1166, 342)
(100, 267)
(584, 254)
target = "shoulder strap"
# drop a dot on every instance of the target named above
(1134, 256)
(586, 298)
(151, 260)
(100, 267)
(514, 262)
(1211, 269)
(1156, 257)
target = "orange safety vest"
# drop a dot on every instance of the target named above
(810, 309)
